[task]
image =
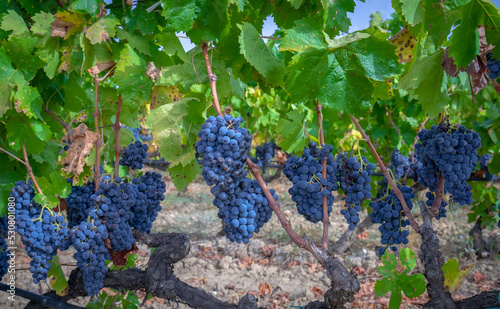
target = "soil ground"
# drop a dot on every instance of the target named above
(279, 273)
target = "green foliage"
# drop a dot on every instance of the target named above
(453, 275)
(57, 280)
(395, 278)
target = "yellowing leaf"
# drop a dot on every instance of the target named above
(453, 275)
(404, 42)
(102, 30)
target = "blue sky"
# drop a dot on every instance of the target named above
(360, 19)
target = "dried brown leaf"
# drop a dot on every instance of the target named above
(82, 141)
(153, 72)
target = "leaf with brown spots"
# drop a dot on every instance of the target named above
(82, 141)
(404, 42)
(67, 23)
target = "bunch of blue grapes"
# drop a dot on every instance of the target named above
(483, 166)
(451, 151)
(431, 196)
(79, 203)
(115, 199)
(150, 190)
(244, 210)
(388, 212)
(134, 155)
(309, 187)
(224, 146)
(354, 176)
(264, 154)
(42, 231)
(91, 253)
(4, 253)
(493, 66)
(400, 165)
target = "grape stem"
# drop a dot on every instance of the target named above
(63, 124)
(439, 196)
(30, 170)
(12, 156)
(496, 86)
(392, 123)
(416, 140)
(393, 184)
(211, 78)
(97, 176)
(116, 128)
(326, 219)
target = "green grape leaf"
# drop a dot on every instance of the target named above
(342, 41)
(329, 76)
(130, 77)
(164, 124)
(396, 298)
(57, 279)
(89, 6)
(410, 10)
(213, 25)
(53, 187)
(453, 275)
(184, 171)
(427, 80)
(51, 57)
(138, 43)
(239, 3)
(335, 14)
(48, 155)
(390, 263)
(171, 45)
(75, 97)
(383, 286)
(292, 131)
(181, 14)
(21, 52)
(306, 33)
(15, 23)
(408, 258)
(102, 30)
(256, 52)
(439, 19)
(42, 23)
(464, 41)
(19, 131)
(413, 285)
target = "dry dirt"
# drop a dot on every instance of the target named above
(279, 273)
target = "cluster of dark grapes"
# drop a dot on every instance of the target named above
(4, 253)
(150, 192)
(224, 147)
(431, 196)
(115, 199)
(493, 66)
(309, 187)
(401, 165)
(451, 151)
(134, 155)
(388, 212)
(354, 176)
(79, 203)
(483, 165)
(144, 134)
(42, 232)
(91, 253)
(264, 154)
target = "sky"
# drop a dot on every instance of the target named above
(360, 19)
